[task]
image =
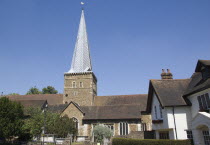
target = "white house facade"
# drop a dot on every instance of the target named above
(180, 107)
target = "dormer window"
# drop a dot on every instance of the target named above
(204, 102)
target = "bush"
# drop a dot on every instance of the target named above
(124, 141)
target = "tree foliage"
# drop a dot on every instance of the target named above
(54, 124)
(33, 90)
(101, 132)
(11, 118)
(49, 90)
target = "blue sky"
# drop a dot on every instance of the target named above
(130, 41)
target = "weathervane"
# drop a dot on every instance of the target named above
(82, 3)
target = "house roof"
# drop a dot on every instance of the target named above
(52, 99)
(113, 112)
(137, 99)
(168, 91)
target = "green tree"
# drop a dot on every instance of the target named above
(55, 124)
(101, 132)
(49, 90)
(11, 118)
(33, 90)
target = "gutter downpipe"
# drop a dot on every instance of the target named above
(174, 122)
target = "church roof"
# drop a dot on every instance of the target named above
(81, 61)
(116, 107)
(52, 99)
(137, 99)
(113, 112)
(32, 103)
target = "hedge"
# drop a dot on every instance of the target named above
(125, 141)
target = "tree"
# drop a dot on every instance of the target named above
(101, 132)
(61, 126)
(11, 118)
(49, 90)
(33, 90)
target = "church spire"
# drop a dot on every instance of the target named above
(81, 61)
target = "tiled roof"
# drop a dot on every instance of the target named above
(57, 108)
(170, 91)
(32, 103)
(52, 99)
(113, 112)
(137, 99)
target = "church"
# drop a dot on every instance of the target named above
(121, 113)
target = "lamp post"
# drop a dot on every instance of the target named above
(45, 108)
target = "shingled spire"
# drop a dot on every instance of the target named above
(81, 61)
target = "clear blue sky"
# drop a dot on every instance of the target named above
(130, 41)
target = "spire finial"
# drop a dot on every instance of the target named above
(82, 3)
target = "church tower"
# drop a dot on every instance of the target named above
(80, 83)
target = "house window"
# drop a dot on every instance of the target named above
(123, 128)
(190, 135)
(206, 137)
(164, 135)
(81, 84)
(155, 112)
(204, 102)
(74, 85)
(161, 113)
(143, 127)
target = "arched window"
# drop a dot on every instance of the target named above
(74, 85)
(76, 122)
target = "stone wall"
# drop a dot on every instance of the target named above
(84, 90)
(73, 112)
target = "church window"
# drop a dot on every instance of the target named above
(143, 127)
(123, 128)
(204, 102)
(81, 84)
(75, 93)
(161, 113)
(66, 102)
(74, 85)
(66, 95)
(164, 135)
(76, 122)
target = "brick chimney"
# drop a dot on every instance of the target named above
(166, 75)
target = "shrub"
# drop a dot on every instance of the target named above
(124, 141)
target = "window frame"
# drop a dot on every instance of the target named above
(123, 128)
